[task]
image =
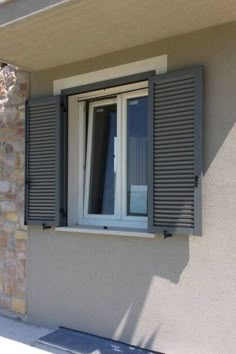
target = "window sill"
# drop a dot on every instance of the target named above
(112, 231)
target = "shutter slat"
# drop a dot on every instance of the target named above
(182, 108)
(41, 138)
(185, 84)
(175, 116)
(175, 147)
(172, 189)
(35, 150)
(46, 130)
(45, 172)
(184, 133)
(45, 187)
(178, 127)
(46, 110)
(177, 140)
(184, 227)
(168, 152)
(174, 162)
(176, 156)
(172, 93)
(178, 219)
(43, 204)
(175, 123)
(43, 126)
(174, 205)
(37, 165)
(175, 211)
(46, 194)
(169, 198)
(173, 184)
(44, 154)
(175, 152)
(181, 101)
(175, 168)
(41, 174)
(41, 145)
(43, 157)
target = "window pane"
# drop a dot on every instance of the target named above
(137, 144)
(103, 174)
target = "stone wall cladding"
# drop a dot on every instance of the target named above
(14, 90)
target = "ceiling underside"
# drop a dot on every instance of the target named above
(81, 29)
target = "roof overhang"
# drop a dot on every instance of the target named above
(15, 10)
(77, 30)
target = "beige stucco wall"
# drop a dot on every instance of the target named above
(175, 295)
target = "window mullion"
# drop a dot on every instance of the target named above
(88, 162)
(124, 157)
(82, 157)
(118, 196)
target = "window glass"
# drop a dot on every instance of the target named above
(103, 161)
(137, 156)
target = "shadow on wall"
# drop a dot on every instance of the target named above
(112, 291)
(170, 257)
(167, 258)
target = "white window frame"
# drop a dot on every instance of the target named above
(119, 219)
(126, 96)
(158, 64)
(87, 215)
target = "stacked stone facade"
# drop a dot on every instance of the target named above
(14, 89)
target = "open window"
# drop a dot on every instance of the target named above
(114, 165)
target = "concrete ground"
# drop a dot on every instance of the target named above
(18, 337)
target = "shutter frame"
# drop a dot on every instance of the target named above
(54, 123)
(155, 83)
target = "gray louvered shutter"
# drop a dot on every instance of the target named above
(175, 152)
(45, 162)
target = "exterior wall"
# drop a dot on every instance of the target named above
(14, 86)
(175, 295)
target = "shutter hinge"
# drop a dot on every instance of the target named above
(167, 234)
(63, 213)
(196, 181)
(45, 226)
(64, 108)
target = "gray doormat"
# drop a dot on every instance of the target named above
(84, 343)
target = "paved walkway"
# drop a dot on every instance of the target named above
(17, 337)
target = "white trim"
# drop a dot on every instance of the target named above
(112, 91)
(118, 200)
(110, 232)
(125, 97)
(159, 64)
(92, 105)
(106, 222)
